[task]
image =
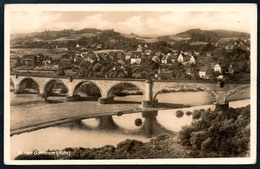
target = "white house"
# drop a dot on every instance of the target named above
(136, 60)
(156, 58)
(192, 60)
(180, 58)
(166, 58)
(139, 48)
(217, 68)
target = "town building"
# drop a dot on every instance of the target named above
(217, 68)
(14, 59)
(166, 59)
(192, 60)
(139, 48)
(180, 58)
(231, 69)
(99, 46)
(28, 60)
(205, 72)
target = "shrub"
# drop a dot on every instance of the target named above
(196, 114)
(185, 135)
(188, 113)
(218, 134)
(179, 113)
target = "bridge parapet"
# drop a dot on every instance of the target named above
(150, 88)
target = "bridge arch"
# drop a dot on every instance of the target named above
(75, 89)
(237, 89)
(12, 85)
(22, 84)
(111, 88)
(182, 85)
(48, 86)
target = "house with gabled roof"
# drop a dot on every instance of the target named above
(14, 59)
(180, 58)
(217, 68)
(147, 52)
(192, 60)
(139, 48)
(99, 46)
(28, 60)
(166, 59)
(205, 72)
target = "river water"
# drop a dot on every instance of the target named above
(86, 133)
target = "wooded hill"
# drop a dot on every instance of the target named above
(111, 39)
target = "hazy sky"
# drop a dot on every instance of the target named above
(142, 23)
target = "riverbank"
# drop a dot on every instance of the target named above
(163, 146)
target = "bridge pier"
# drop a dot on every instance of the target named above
(221, 101)
(107, 100)
(150, 119)
(43, 96)
(107, 122)
(148, 102)
(19, 89)
(221, 107)
(73, 98)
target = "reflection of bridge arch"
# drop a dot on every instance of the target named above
(75, 88)
(22, 83)
(237, 89)
(182, 85)
(111, 88)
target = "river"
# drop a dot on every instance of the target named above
(86, 133)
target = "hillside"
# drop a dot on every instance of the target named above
(192, 36)
(198, 35)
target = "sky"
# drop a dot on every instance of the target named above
(146, 23)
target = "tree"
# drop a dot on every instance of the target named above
(71, 45)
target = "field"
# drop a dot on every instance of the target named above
(54, 53)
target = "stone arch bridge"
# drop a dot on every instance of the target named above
(150, 88)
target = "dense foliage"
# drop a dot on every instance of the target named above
(161, 147)
(226, 48)
(218, 133)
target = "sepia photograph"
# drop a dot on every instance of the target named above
(114, 84)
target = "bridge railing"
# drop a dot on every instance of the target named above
(201, 81)
(74, 77)
(125, 79)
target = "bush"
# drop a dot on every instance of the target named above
(188, 113)
(196, 114)
(218, 133)
(179, 113)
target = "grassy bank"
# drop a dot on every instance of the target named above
(164, 146)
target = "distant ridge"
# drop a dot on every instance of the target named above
(191, 35)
